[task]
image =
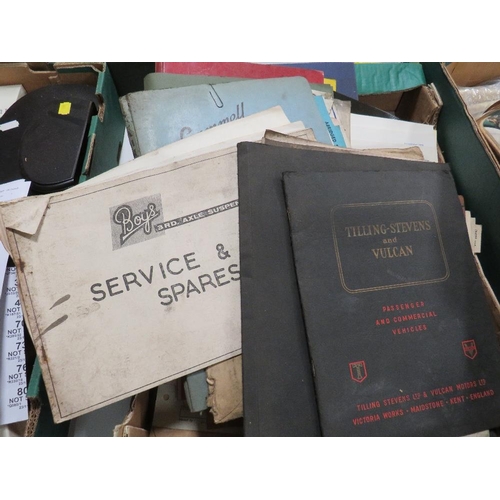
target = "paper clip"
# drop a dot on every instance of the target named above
(220, 100)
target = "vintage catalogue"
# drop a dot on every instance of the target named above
(155, 118)
(131, 282)
(399, 331)
(278, 390)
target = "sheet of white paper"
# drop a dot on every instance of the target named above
(10, 191)
(250, 128)
(374, 132)
(9, 94)
(126, 153)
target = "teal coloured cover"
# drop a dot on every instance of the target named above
(196, 389)
(382, 78)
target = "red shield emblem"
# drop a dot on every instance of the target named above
(358, 371)
(470, 349)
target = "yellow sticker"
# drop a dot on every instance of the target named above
(331, 82)
(64, 108)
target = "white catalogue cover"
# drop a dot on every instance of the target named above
(131, 279)
(129, 283)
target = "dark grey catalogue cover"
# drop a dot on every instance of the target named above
(278, 389)
(400, 335)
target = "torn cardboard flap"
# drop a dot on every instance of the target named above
(172, 416)
(490, 297)
(225, 390)
(469, 74)
(135, 423)
(96, 66)
(421, 104)
(386, 102)
(34, 76)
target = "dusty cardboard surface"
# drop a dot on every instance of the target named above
(162, 432)
(386, 102)
(35, 77)
(225, 390)
(473, 123)
(17, 429)
(135, 423)
(490, 297)
(421, 104)
(469, 74)
(172, 416)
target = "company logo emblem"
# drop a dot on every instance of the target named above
(470, 349)
(358, 371)
(132, 222)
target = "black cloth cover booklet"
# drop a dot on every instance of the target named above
(278, 388)
(400, 335)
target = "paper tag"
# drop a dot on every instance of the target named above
(9, 125)
(331, 82)
(13, 406)
(478, 230)
(13, 387)
(64, 108)
(471, 231)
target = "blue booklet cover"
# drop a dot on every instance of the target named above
(335, 132)
(343, 73)
(155, 118)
